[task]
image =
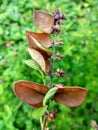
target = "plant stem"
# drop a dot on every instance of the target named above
(43, 119)
(44, 122)
(53, 60)
(41, 123)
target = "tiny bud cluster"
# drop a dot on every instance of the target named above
(58, 19)
(51, 116)
(59, 73)
(58, 56)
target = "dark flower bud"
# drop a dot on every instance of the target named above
(56, 17)
(58, 56)
(51, 116)
(60, 42)
(59, 73)
(60, 21)
(61, 15)
(56, 28)
(56, 12)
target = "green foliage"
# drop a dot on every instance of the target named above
(37, 113)
(79, 34)
(31, 63)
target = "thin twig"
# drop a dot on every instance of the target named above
(44, 122)
(17, 108)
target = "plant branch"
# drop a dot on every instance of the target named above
(44, 122)
(43, 119)
(41, 123)
(53, 60)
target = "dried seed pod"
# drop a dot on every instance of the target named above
(41, 59)
(33, 94)
(43, 38)
(33, 43)
(30, 92)
(44, 21)
(71, 96)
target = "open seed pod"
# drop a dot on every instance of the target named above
(33, 94)
(41, 59)
(30, 92)
(35, 41)
(44, 21)
(70, 96)
(43, 38)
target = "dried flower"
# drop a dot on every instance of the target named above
(60, 42)
(59, 73)
(58, 16)
(58, 56)
(51, 116)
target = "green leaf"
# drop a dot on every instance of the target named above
(49, 95)
(37, 113)
(31, 63)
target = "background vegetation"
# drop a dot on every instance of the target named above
(80, 37)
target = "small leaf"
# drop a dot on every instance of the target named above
(71, 96)
(30, 92)
(39, 112)
(43, 38)
(31, 63)
(43, 21)
(49, 95)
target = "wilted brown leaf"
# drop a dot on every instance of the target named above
(40, 59)
(33, 43)
(43, 21)
(30, 92)
(43, 38)
(71, 96)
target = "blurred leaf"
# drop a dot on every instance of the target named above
(39, 112)
(31, 63)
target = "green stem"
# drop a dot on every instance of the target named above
(43, 119)
(44, 122)
(41, 123)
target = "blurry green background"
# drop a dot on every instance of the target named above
(80, 37)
